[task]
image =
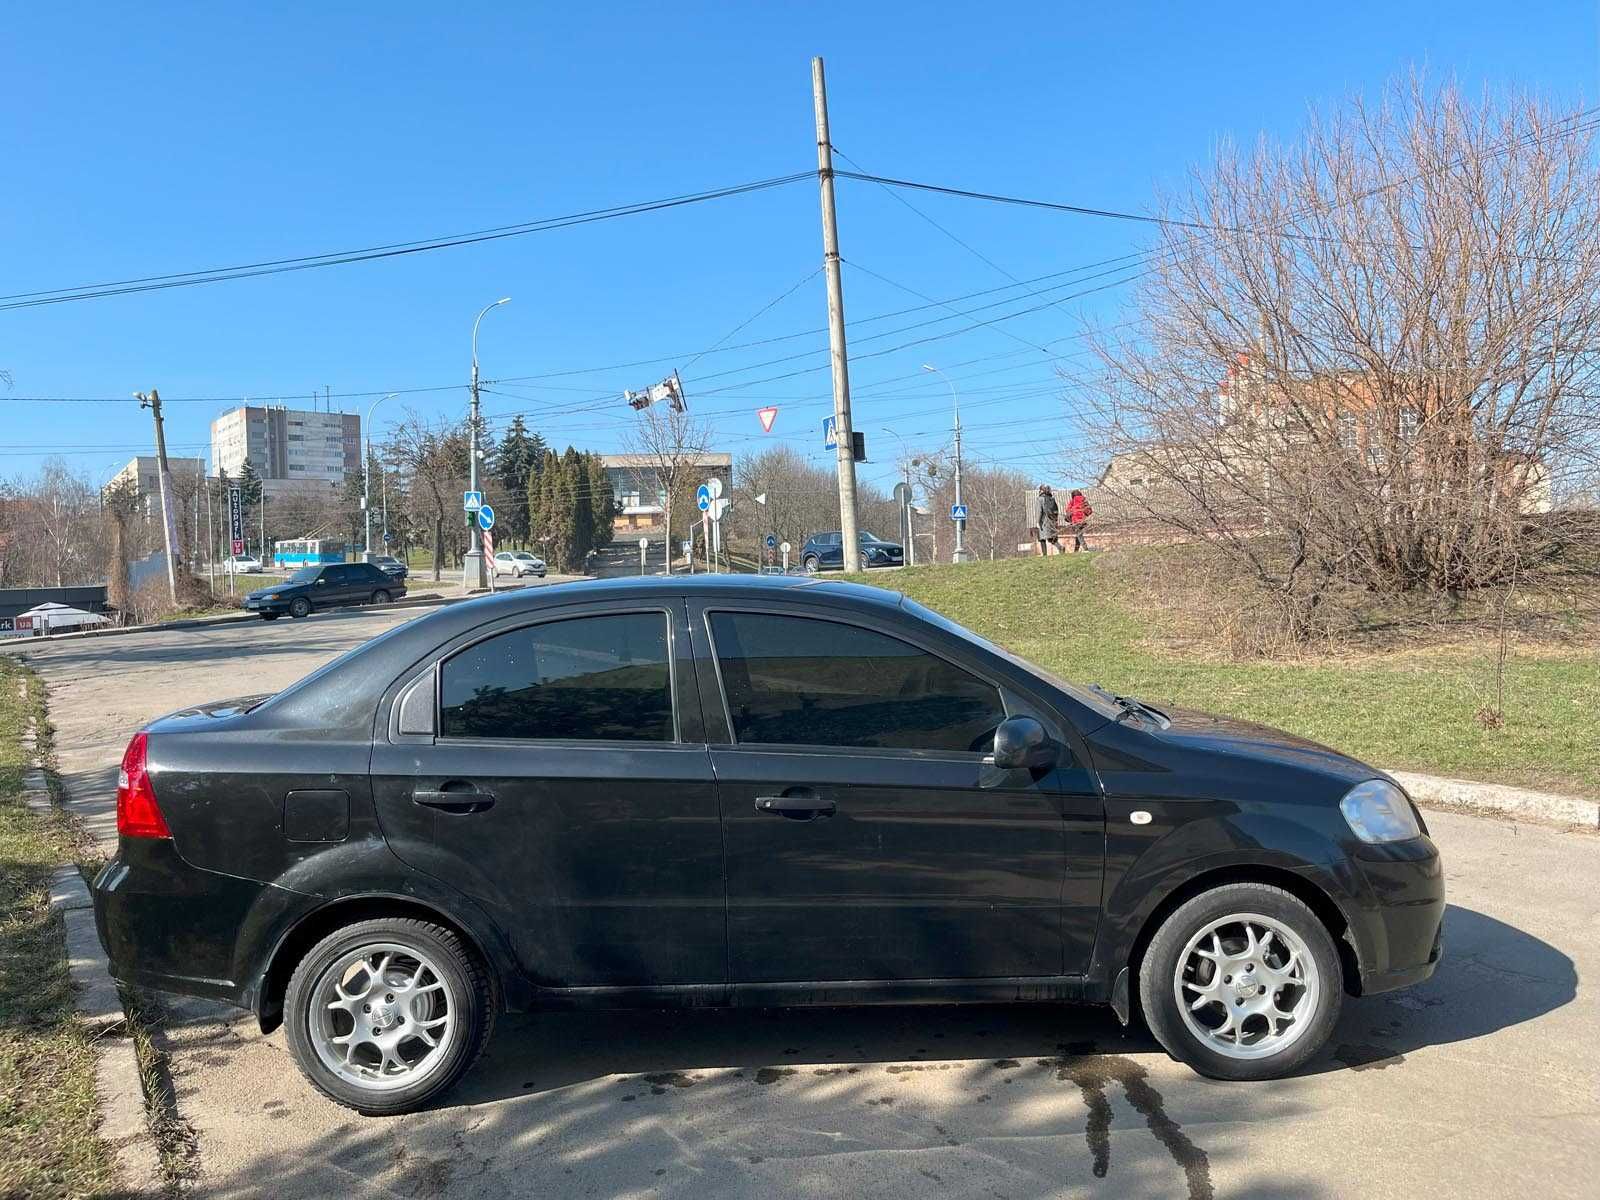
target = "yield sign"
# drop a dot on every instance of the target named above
(768, 416)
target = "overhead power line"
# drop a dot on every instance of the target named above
(147, 283)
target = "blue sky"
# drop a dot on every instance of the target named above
(142, 140)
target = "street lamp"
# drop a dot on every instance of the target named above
(472, 575)
(366, 474)
(961, 553)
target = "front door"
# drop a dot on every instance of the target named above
(562, 791)
(866, 837)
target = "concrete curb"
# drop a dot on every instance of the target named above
(1493, 799)
(119, 1081)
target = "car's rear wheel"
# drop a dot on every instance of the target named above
(1241, 982)
(299, 607)
(385, 1015)
(380, 597)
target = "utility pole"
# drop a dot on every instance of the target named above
(169, 529)
(843, 437)
(472, 573)
(961, 554)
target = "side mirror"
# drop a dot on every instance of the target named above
(1021, 742)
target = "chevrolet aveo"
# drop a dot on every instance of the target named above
(744, 792)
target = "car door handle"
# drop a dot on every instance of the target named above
(460, 802)
(803, 807)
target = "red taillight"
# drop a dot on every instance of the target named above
(138, 815)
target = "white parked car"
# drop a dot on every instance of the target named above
(518, 563)
(242, 564)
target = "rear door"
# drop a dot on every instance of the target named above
(566, 785)
(867, 838)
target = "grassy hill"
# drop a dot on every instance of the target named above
(1410, 704)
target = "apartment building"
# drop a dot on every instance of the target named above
(287, 448)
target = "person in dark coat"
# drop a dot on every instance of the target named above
(1049, 519)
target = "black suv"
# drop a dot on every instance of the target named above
(331, 585)
(826, 550)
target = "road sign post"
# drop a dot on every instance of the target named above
(785, 547)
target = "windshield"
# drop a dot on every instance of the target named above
(1100, 704)
(305, 575)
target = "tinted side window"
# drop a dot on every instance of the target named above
(333, 576)
(593, 678)
(803, 681)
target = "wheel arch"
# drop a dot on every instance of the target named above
(347, 910)
(1124, 991)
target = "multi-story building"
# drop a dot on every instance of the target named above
(640, 493)
(141, 474)
(288, 449)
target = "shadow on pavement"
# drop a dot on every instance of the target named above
(1492, 976)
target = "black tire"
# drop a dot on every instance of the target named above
(299, 607)
(269, 616)
(468, 981)
(380, 596)
(1158, 971)
(812, 564)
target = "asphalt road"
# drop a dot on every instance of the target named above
(1481, 1082)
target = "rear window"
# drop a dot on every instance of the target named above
(603, 678)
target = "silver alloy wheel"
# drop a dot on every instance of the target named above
(1247, 986)
(382, 1016)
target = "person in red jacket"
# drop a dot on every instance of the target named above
(1078, 514)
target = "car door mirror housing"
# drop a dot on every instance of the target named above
(1022, 743)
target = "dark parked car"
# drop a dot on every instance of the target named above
(825, 551)
(744, 791)
(390, 566)
(331, 585)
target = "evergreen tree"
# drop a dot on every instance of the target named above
(602, 503)
(250, 493)
(518, 459)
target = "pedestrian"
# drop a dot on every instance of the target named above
(1078, 514)
(1049, 516)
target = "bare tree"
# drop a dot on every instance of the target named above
(672, 442)
(1377, 346)
(432, 456)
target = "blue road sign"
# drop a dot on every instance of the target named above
(472, 501)
(703, 498)
(830, 440)
(485, 517)
(388, 537)
(958, 512)
(772, 541)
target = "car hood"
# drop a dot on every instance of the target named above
(1240, 738)
(276, 589)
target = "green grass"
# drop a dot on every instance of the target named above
(48, 1110)
(1412, 708)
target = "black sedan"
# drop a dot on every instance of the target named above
(825, 551)
(331, 585)
(738, 791)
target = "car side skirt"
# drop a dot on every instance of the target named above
(846, 993)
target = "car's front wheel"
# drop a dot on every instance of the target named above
(380, 596)
(812, 564)
(299, 607)
(1241, 982)
(385, 1015)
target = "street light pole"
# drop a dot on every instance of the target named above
(961, 554)
(366, 476)
(472, 575)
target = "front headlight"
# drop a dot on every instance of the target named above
(1377, 811)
